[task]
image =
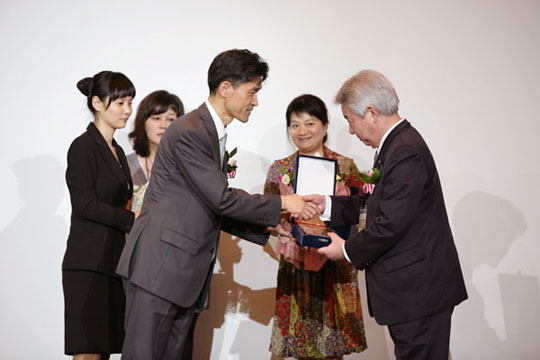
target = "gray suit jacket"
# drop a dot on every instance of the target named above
(170, 250)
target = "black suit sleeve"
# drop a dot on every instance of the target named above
(81, 177)
(345, 210)
(406, 175)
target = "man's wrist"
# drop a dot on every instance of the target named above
(325, 216)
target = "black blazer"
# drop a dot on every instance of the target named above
(99, 189)
(407, 249)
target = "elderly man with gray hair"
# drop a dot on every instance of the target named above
(413, 275)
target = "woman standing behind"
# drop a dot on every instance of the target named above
(154, 115)
(100, 186)
(318, 313)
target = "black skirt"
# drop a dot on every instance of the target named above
(94, 305)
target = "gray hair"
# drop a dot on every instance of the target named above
(369, 88)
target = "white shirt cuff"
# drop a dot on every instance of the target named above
(345, 254)
(325, 216)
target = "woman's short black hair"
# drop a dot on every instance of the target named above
(107, 86)
(236, 66)
(309, 104)
(155, 103)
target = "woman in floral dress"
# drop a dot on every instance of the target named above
(318, 314)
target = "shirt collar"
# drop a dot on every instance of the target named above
(386, 135)
(221, 129)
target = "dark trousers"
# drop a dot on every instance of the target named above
(427, 338)
(155, 328)
(188, 344)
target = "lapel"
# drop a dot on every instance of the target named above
(125, 166)
(119, 170)
(379, 162)
(212, 132)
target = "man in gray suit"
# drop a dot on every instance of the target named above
(169, 256)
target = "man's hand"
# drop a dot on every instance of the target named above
(298, 207)
(279, 231)
(310, 211)
(319, 200)
(292, 203)
(285, 221)
(334, 251)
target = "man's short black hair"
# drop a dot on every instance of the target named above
(236, 66)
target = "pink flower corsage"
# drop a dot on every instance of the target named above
(370, 180)
(231, 164)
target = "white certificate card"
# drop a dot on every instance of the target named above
(315, 175)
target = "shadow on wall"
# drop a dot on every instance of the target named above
(232, 305)
(31, 249)
(501, 317)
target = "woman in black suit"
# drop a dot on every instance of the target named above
(100, 186)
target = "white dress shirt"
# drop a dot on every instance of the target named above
(221, 129)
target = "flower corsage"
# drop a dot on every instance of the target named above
(231, 163)
(370, 180)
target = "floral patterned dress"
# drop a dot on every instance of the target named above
(318, 314)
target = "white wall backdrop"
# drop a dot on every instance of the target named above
(467, 73)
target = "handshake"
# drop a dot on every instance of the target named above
(305, 207)
(296, 206)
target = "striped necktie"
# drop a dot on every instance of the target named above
(222, 143)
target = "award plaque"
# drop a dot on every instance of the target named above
(314, 175)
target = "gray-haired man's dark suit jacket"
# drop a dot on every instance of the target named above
(407, 249)
(171, 249)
